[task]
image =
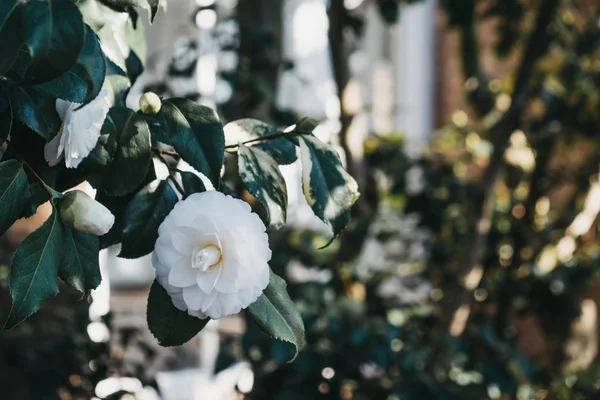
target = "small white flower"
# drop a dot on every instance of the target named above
(212, 255)
(79, 132)
(415, 180)
(85, 214)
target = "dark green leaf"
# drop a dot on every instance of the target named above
(117, 206)
(328, 188)
(6, 118)
(261, 177)
(96, 163)
(243, 130)
(144, 214)
(14, 193)
(30, 148)
(11, 34)
(133, 154)
(83, 81)
(192, 183)
(276, 314)
(6, 9)
(80, 267)
(54, 37)
(169, 325)
(33, 275)
(35, 109)
(195, 132)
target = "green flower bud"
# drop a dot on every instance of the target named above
(150, 103)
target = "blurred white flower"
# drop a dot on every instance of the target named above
(85, 214)
(415, 180)
(79, 132)
(298, 272)
(398, 289)
(212, 255)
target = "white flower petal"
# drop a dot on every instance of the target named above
(182, 276)
(52, 154)
(79, 132)
(227, 225)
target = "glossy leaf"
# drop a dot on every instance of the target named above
(169, 325)
(144, 214)
(133, 154)
(192, 183)
(195, 132)
(34, 270)
(327, 187)
(261, 177)
(83, 81)
(276, 314)
(6, 118)
(14, 193)
(54, 37)
(6, 9)
(243, 130)
(11, 34)
(35, 109)
(80, 267)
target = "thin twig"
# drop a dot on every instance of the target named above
(172, 154)
(270, 136)
(47, 188)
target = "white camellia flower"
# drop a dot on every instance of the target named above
(85, 214)
(212, 255)
(79, 132)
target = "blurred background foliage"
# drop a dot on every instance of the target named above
(469, 271)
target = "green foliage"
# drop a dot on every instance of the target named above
(194, 131)
(55, 35)
(261, 177)
(56, 49)
(144, 214)
(83, 81)
(14, 193)
(275, 313)
(80, 267)
(34, 270)
(328, 188)
(169, 325)
(132, 156)
(191, 183)
(250, 131)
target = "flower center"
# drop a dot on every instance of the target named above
(205, 257)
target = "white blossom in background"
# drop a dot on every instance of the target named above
(212, 255)
(393, 256)
(415, 180)
(79, 132)
(78, 210)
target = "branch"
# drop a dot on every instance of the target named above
(51, 192)
(499, 135)
(270, 136)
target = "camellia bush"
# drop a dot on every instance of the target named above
(66, 68)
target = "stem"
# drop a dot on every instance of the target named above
(173, 154)
(47, 188)
(270, 136)
(170, 177)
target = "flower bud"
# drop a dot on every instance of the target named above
(150, 103)
(80, 211)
